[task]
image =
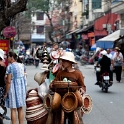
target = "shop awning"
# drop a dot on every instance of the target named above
(85, 29)
(37, 38)
(73, 31)
(93, 47)
(108, 41)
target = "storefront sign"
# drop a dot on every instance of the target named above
(91, 34)
(4, 45)
(9, 32)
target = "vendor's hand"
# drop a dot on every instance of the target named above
(51, 86)
(5, 96)
(81, 91)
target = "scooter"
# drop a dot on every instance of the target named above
(105, 83)
(84, 60)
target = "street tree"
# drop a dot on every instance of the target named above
(8, 10)
(49, 7)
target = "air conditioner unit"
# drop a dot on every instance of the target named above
(104, 25)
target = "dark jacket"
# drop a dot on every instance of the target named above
(105, 63)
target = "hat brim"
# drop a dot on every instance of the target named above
(1, 57)
(74, 62)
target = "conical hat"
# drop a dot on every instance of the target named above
(40, 77)
(45, 66)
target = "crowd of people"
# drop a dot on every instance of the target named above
(12, 86)
(110, 61)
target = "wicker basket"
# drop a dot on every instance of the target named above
(69, 102)
(63, 87)
(39, 121)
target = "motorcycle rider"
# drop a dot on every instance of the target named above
(105, 64)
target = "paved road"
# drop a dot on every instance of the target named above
(107, 107)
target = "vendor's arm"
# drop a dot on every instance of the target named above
(81, 83)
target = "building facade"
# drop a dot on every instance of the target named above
(37, 30)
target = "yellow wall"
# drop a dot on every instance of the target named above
(76, 9)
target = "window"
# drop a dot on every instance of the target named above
(96, 4)
(40, 16)
(40, 29)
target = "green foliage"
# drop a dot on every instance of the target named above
(43, 5)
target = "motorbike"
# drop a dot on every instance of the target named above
(105, 83)
(29, 60)
(84, 59)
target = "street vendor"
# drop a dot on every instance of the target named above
(69, 73)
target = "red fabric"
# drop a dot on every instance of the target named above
(109, 18)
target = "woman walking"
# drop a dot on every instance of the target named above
(15, 88)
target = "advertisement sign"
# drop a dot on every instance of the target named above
(91, 34)
(9, 32)
(4, 45)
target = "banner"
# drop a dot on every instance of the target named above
(4, 45)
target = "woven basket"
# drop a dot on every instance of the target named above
(87, 104)
(52, 102)
(79, 97)
(39, 121)
(63, 87)
(56, 102)
(69, 102)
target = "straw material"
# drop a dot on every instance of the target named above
(35, 110)
(79, 97)
(48, 101)
(52, 102)
(62, 117)
(69, 102)
(64, 87)
(76, 119)
(40, 77)
(49, 119)
(87, 104)
(39, 121)
(56, 102)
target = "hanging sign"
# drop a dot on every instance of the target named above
(9, 32)
(4, 45)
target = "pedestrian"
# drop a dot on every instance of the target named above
(15, 94)
(2, 82)
(25, 73)
(72, 74)
(118, 61)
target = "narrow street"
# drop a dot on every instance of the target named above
(107, 107)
